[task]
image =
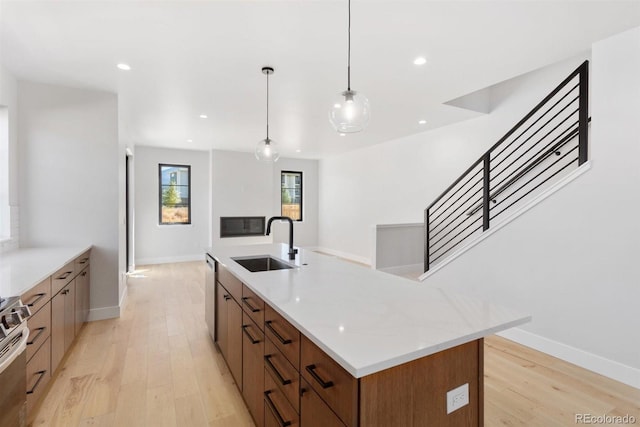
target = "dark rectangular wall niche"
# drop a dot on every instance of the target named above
(239, 226)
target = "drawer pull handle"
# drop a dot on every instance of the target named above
(84, 273)
(245, 301)
(273, 331)
(274, 410)
(252, 339)
(41, 373)
(37, 298)
(227, 297)
(40, 331)
(312, 370)
(65, 292)
(64, 275)
(83, 261)
(267, 360)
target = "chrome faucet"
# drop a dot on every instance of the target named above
(292, 251)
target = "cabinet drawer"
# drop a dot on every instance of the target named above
(39, 326)
(284, 335)
(277, 410)
(283, 374)
(82, 261)
(230, 282)
(60, 278)
(316, 413)
(38, 375)
(253, 368)
(253, 305)
(332, 383)
(38, 296)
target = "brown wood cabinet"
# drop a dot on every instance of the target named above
(332, 383)
(229, 331)
(39, 325)
(82, 299)
(283, 373)
(62, 323)
(304, 386)
(59, 307)
(314, 411)
(278, 410)
(253, 369)
(38, 375)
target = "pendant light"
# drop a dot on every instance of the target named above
(267, 151)
(350, 112)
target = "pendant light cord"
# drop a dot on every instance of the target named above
(349, 52)
(267, 106)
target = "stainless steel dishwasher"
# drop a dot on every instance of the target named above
(210, 296)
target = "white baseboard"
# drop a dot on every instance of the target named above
(123, 297)
(170, 259)
(400, 270)
(345, 255)
(103, 313)
(609, 368)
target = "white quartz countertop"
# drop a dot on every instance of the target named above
(365, 319)
(22, 269)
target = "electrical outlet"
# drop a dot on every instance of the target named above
(457, 398)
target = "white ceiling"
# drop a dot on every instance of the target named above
(204, 57)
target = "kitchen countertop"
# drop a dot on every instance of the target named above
(366, 320)
(22, 269)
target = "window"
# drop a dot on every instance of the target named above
(175, 194)
(291, 195)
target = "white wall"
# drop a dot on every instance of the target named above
(393, 182)
(243, 186)
(69, 163)
(571, 262)
(9, 234)
(156, 243)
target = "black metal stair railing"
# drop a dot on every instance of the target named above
(550, 141)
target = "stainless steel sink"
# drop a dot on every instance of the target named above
(262, 263)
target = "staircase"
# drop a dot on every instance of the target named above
(547, 145)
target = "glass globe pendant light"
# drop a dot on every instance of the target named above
(267, 150)
(350, 112)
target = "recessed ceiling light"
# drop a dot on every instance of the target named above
(337, 106)
(298, 150)
(342, 134)
(420, 60)
(125, 67)
(422, 122)
(189, 140)
(203, 116)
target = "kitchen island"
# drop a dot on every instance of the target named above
(373, 349)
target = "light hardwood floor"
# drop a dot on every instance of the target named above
(156, 366)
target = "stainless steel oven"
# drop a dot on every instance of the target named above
(13, 359)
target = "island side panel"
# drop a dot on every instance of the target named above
(415, 393)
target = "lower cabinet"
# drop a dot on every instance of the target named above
(81, 299)
(222, 324)
(287, 380)
(229, 331)
(54, 323)
(314, 412)
(62, 323)
(253, 368)
(278, 411)
(38, 374)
